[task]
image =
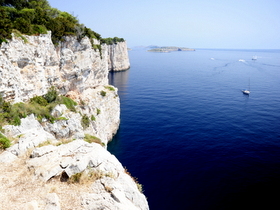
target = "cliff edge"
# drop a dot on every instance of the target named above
(64, 164)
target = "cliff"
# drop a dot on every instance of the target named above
(118, 57)
(31, 65)
(50, 165)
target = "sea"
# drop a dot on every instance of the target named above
(190, 136)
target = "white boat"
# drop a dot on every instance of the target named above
(254, 58)
(246, 92)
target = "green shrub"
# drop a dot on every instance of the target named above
(51, 95)
(16, 121)
(4, 142)
(103, 93)
(39, 106)
(110, 88)
(23, 25)
(98, 111)
(111, 41)
(36, 17)
(92, 118)
(39, 29)
(85, 121)
(39, 100)
(69, 103)
(5, 106)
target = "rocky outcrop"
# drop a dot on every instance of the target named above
(48, 159)
(50, 165)
(29, 66)
(118, 57)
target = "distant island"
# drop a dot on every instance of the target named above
(169, 49)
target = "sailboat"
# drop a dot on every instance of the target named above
(246, 92)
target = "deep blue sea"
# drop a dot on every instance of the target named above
(192, 138)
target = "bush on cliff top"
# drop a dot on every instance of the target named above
(110, 41)
(36, 17)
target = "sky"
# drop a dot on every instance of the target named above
(230, 24)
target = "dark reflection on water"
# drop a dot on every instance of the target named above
(119, 80)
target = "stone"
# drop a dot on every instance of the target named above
(33, 205)
(52, 202)
(111, 185)
(39, 152)
(29, 134)
(118, 59)
(59, 110)
(7, 157)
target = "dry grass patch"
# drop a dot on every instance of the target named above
(93, 139)
(89, 176)
(19, 186)
(135, 179)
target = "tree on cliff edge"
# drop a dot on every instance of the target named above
(37, 17)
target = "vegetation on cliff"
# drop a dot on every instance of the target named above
(4, 142)
(40, 106)
(110, 41)
(37, 17)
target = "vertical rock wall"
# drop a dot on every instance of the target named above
(29, 66)
(118, 57)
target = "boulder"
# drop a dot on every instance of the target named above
(111, 186)
(29, 134)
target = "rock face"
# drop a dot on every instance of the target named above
(118, 57)
(50, 165)
(29, 68)
(105, 183)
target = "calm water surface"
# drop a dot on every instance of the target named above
(189, 134)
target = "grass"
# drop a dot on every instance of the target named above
(135, 179)
(61, 118)
(88, 176)
(64, 141)
(61, 141)
(93, 139)
(4, 142)
(69, 103)
(110, 88)
(92, 118)
(85, 121)
(18, 34)
(45, 143)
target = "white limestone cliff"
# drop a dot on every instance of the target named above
(44, 157)
(29, 66)
(118, 57)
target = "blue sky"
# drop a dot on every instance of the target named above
(234, 24)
